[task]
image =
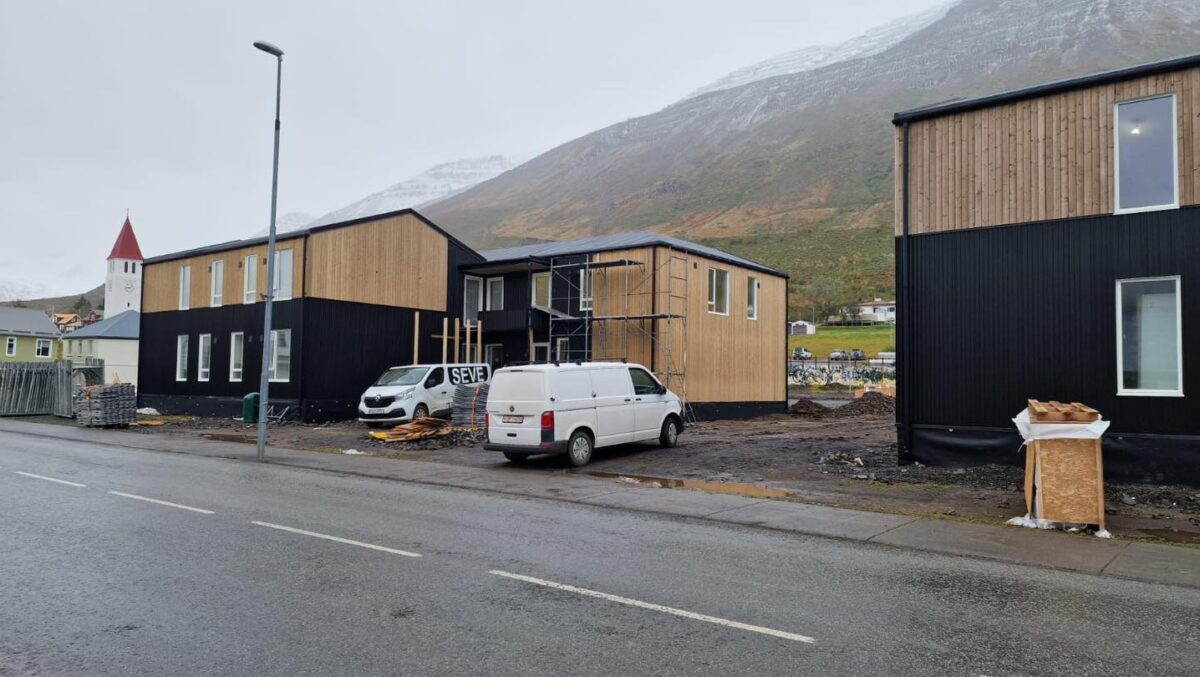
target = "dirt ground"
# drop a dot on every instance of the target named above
(844, 457)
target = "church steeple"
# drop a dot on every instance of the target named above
(123, 285)
(126, 246)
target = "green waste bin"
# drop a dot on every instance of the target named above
(250, 408)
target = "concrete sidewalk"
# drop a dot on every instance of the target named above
(1171, 565)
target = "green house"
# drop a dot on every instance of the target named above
(28, 335)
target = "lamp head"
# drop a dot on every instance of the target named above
(269, 49)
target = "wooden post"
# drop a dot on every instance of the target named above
(455, 359)
(530, 347)
(467, 344)
(416, 337)
(445, 336)
(479, 341)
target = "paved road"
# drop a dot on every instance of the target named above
(240, 572)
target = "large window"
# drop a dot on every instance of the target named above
(218, 283)
(585, 289)
(236, 356)
(1147, 174)
(281, 355)
(250, 279)
(495, 293)
(283, 275)
(185, 287)
(752, 298)
(472, 298)
(1149, 342)
(10, 346)
(181, 351)
(43, 348)
(204, 359)
(541, 290)
(718, 291)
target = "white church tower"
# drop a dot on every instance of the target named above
(123, 286)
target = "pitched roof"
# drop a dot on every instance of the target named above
(26, 322)
(120, 326)
(126, 246)
(626, 240)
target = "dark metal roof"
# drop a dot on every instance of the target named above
(294, 234)
(1105, 77)
(120, 326)
(627, 240)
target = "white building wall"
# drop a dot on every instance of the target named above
(122, 287)
(120, 356)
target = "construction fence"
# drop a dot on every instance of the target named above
(44, 388)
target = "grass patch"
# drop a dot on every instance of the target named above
(871, 339)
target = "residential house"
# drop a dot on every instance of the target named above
(28, 335)
(114, 340)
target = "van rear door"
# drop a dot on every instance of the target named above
(516, 401)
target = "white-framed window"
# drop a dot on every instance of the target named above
(44, 349)
(185, 287)
(472, 297)
(585, 289)
(752, 298)
(281, 356)
(562, 349)
(540, 290)
(10, 346)
(493, 353)
(217, 283)
(181, 357)
(204, 358)
(541, 352)
(1145, 154)
(718, 291)
(250, 279)
(1149, 337)
(283, 274)
(236, 356)
(495, 293)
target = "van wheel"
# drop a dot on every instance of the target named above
(516, 458)
(669, 436)
(579, 449)
(421, 411)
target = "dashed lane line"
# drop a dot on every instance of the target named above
(49, 479)
(657, 607)
(337, 539)
(169, 504)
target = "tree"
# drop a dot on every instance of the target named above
(82, 305)
(822, 297)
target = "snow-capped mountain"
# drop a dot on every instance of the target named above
(436, 183)
(872, 42)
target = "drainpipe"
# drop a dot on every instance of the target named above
(906, 305)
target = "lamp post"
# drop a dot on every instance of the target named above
(264, 381)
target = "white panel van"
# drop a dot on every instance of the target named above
(415, 391)
(572, 409)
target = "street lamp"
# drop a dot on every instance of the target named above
(264, 381)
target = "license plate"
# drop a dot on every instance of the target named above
(513, 419)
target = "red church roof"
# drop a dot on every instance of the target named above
(126, 246)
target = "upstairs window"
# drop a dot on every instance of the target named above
(472, 298)
(250, 279)
(585, 290)
(185, 287)
(10, 346)
(541, 290)
(283, 275)
(752, 298)
(1147, 175)
(718, 291)
(495, 293)
(218, 283)
(1149, 343)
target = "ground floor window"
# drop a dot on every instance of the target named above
(562, 350)
(10, 346)
(493, 354)
(1149, 340)
(236, 352)
(44, 346)
(181, 351)
(204, 359)
(281, 355)
(541, 353)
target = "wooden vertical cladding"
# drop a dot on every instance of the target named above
(396, 261)
(160, 281)
(1036, 159)
(728, 358)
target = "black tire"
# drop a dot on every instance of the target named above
(420, 411)
(516, 458)
(580, 448)
(669, 436)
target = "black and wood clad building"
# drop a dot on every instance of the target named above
(1048, 247)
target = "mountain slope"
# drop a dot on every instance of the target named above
(61, 304)
(796, 169)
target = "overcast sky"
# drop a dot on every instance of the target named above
(164, 108)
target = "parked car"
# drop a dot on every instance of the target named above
(799, 353)
(838, 354)
(857, 354)
(573, 409)
(415, 391)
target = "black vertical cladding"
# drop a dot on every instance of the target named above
(1003, 314)
(458, 255)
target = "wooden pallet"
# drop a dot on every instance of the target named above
(1057, 412)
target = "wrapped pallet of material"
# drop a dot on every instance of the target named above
(1064, 467)
(106, 406)
(469, 409)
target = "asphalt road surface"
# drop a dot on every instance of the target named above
(117, 561)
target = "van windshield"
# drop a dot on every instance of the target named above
(402, 376)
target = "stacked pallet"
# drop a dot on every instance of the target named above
(469, 409)
(106, 406)
(420, 429)
(1057, 412)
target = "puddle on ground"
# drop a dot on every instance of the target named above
(737, 488)
(229, 437)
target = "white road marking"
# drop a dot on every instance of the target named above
(657, 607)
(337, 539)
(49, 479)
(202, 511)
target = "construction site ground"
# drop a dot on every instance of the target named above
(842, 457)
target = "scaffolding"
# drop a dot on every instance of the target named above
(629, 309)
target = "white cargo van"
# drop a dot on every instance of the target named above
(574, 408)
(416, 391)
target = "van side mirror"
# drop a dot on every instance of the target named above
(661, 389)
